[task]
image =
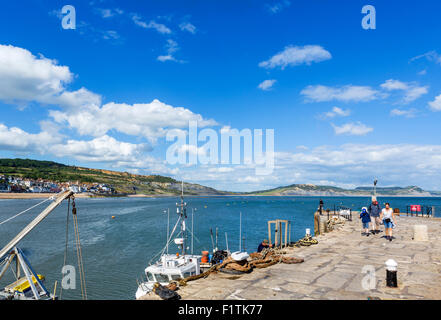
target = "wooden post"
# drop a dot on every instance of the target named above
(316, 223)
(286, 233)
(269, 232)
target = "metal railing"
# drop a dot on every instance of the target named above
(337, 212)
(421, 211)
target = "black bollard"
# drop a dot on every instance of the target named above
(391, 279)
(391, 274)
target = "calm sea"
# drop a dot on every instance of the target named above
(116, 251)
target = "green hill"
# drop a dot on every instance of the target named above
(123, 182)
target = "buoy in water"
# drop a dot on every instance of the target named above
(113, 217)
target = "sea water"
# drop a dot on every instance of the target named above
(116, 251)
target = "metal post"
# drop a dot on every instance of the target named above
(226, 240)
(391, 273)
(240, 232)
(192, 232)
(168, 227)
(28, 276)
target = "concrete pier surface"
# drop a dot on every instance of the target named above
(333, 269)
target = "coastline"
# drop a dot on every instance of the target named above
(10, 195)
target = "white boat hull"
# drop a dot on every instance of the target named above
(143, 289)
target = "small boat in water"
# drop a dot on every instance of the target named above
(172, 267)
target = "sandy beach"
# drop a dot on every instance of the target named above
(36, 195)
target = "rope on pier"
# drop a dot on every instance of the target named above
(259, 260)
(334, 221)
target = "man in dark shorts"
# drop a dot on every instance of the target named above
(264, 245)
(374, 211)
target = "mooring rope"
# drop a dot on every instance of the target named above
(66, 245)
(79, 252)
(24, 211)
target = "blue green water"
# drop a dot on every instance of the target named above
(116, 251)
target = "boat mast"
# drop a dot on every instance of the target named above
(183, 214)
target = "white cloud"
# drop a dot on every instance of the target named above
(353, 129)
(171, 48)
(278, 6)
(320, 93)
(435, 105)
(15, 139)
(359, 163)
(221, 169)
(101, 149)
(148, 120)
(337, 112)
(161, 28)
(267, 84)
(432, 56)
(412, 91)
(293, 56)
(394, 85)
(109, 13)
(347, 165)
(187, 26)
(25, 77)
(192, 150)
(409, 113)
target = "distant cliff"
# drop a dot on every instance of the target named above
(323, 191)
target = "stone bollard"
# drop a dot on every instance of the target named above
(323, 225)
(420, 232)
(391, 273)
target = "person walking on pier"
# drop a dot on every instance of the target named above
(388, 217)
(365, 220)
(374, 211)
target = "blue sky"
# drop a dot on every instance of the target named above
(346, 104)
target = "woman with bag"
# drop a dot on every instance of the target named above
(388, 217)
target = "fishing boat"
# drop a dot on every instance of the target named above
(172, 267)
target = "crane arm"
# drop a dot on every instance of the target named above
(60, 197)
